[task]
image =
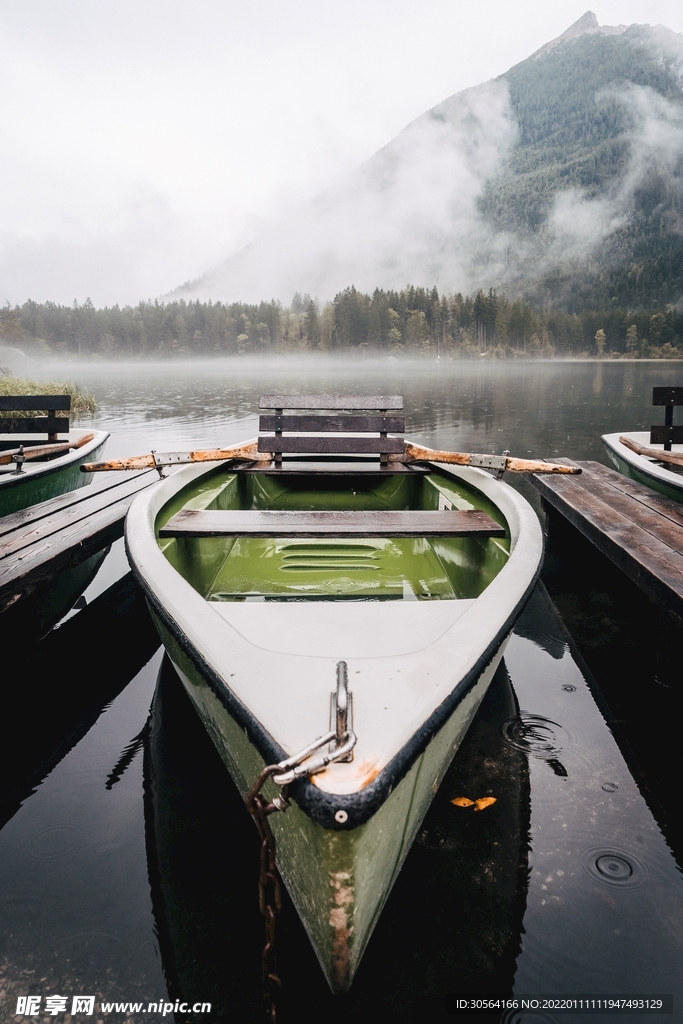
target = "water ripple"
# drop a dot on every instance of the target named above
(614, 867)
(54, 841)
(534, 735)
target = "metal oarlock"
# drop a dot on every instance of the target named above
(19, 459)
(159, 463)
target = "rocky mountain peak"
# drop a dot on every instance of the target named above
(586, 23)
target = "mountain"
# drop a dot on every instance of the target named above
(560, 181)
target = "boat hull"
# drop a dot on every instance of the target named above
(42, 481)
(453, 919)
(338, 880)
(641, 469)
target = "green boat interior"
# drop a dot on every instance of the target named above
(363, 569)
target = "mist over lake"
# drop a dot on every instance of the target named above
(544, 409)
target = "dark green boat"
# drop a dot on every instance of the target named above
(55, 472)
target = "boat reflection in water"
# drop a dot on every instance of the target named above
(452, 922)
(33, 615)
(60, 699)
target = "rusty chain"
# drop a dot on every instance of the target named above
(305, 763)
(269, 883)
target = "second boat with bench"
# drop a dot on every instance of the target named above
(33, 470)
(336, 607)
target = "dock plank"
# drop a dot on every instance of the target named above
(646, 518)
(667, 507)
(24, 516)
(42, 549)
(66, 515)
(641, 533)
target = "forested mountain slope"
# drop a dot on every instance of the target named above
(597, 170)
(561, 181)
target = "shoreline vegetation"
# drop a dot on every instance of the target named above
(82, 402)
(415, 322)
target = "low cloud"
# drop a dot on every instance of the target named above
(408, 215)
(411, 214)
(579, 223)
(127, 249)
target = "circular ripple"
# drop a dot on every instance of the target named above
(616, 868)
(54, 841)
(534, 735)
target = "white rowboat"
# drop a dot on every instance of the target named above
(258, 609)
(646, 469)
(260, 667)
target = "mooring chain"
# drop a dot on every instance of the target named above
(342, 740)
(269, 882)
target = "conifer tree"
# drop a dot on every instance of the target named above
(600, 341)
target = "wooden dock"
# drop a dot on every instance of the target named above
(41, 542)
(639, 530)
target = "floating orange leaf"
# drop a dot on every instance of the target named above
(462, 801)
(483, 802)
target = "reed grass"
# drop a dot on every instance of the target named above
(82, 402)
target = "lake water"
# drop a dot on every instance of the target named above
(127, 863)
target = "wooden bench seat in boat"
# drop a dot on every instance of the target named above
(51, 424)
(268, 523)
(299, 434)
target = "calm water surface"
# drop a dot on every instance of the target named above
(127, 865)
(544, 408)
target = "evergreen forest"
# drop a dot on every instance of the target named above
(417, 322)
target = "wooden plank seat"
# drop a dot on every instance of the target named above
(340, 425)
(51, 424)
(269, 523)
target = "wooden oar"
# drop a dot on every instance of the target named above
(501, 463)
(158, 459)
(37, 452)
(653, 453)
(411, 453)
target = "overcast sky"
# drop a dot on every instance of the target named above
(143, 141)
